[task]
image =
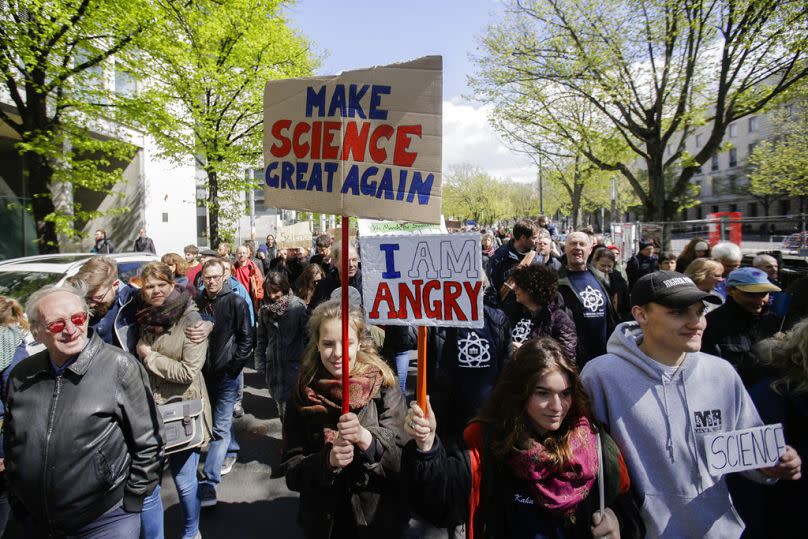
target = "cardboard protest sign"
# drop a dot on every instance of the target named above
(365, 143)
(745, 449)
(296, 235)
(429, 280)
(373, 227)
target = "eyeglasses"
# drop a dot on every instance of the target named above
(212, 277)
(57, 326)
(98, 298)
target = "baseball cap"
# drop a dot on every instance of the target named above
(208, 252)
(750, 280)
(669, 288)
(701, 246)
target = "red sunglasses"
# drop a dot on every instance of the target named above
(57, 326)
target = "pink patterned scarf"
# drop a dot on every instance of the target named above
(561, 491)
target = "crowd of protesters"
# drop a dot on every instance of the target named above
(577, 410)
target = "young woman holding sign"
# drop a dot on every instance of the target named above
(345, 466)
(534, 462)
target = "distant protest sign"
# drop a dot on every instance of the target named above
(428, 280)
(296, 235)
(745, 449)
(365, 143)
(373, 227)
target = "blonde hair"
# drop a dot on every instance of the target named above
(97, 272)
(11, 313)
(790, 357)
(366, 355)
(699, 268)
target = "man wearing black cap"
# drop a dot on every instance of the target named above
(659, 396)
(643, 263)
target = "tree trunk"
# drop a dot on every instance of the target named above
(213, 208)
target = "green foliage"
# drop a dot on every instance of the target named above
(780, 166)
(470, 193)
(206, 67)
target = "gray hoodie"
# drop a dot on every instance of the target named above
(659, 415)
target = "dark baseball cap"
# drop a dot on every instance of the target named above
(208, 252)
(669, 288)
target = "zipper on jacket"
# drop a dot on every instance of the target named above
(51, 414)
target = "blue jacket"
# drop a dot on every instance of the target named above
(118, 326)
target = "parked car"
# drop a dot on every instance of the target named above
(796, 241)
(20, 277)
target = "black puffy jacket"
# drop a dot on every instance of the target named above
(231, 343)
(78, 443)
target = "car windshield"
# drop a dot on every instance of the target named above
(21, 284)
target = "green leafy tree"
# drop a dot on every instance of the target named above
(779, 167)
(53, 61)
(208, 63)
(654, 71)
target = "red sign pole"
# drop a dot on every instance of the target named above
(346, 360)
(420, 387)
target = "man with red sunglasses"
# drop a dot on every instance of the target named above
(82, 435)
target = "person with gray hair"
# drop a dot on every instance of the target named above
(730, 256)
(83, 440)
(768, 264)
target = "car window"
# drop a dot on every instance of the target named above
(21, 284)
(127, 270)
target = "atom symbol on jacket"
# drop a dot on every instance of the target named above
(473, 352)
(521, 331)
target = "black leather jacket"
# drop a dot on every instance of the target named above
(79, 443)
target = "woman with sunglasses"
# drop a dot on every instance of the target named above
(534, 463)
(174, 364)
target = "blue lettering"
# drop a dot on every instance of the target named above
(302, 167)
(316, 179)
(402, 184)
(376, 94)
(354, 98)
(386, 185)
(337, 101)
(315, 99)
(369, 187)
(271, 179)
(352, 181)
(390, 261)
(330, 169)
(420, 186)
(287, 171)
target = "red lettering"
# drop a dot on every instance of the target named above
(281, 149)
(316, 139)
(452, 291)
(383, 294)
(300, 149)
(406, 296)
(402, 157)
(355, 141)
(432, 309)
(329, 150)
(379, 154)
(473, 292)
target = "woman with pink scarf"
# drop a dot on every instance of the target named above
(533, 463)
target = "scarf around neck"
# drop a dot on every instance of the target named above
(321, 400)
(560, 491)
(10, 339)
(278, 308)
(159, 318)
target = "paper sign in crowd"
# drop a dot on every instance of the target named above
(428, 280)
(745, 449)
(365, 143)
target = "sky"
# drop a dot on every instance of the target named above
(355, 34)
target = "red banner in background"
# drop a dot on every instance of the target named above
(725, 226)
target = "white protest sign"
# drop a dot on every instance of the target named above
(427, 280)
(745, 449)
(373, 227)
(366, 143)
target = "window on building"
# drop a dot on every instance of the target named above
(752, 209)
(125, 83)
(715, 208)
(165, 217)
(699, 212)
(714, 163)
(733, 207)
(785, 207)
(732, 183)
(733, 157)
(753, 124)
(698, 142)
(752, 148)
(733, 130)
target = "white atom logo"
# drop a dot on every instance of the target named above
(521, 331)
(592, 298)
(473, 352)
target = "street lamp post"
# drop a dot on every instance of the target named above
(541, 189)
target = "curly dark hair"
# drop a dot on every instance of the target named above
(538, 281)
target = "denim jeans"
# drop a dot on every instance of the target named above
(114, 524)
(403, 369)
(222, 392)
(183, 467)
